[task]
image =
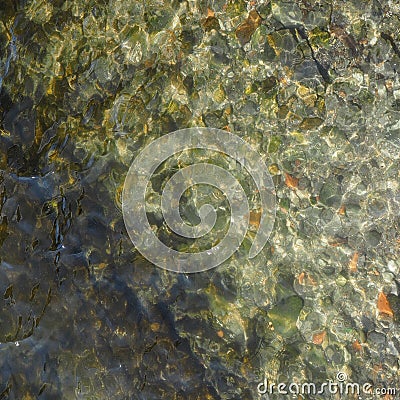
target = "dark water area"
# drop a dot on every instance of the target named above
(85, 86)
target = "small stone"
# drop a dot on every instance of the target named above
(288, 13)
(353, 263)
(311, 123)
(273, 169)
(376, 337)
(155, 326)
(284, 315)
(210, 22)
(291, 181)
(342, 210)
(269, 83)
(246, 29)
(330, 194)
(394, 304)
(373, 238)
(334, 354)
(318, 338)
(357, 346)
(383, 305)
(341, 280)
(274, 143)
(255, 218)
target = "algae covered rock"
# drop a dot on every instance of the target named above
(284, 315)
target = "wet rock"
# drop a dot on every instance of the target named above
(311, 123)
(331, 193)
(246, 29)
(284, 315)
(372, 238)
(288, 14)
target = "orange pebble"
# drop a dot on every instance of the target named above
(383, 305)
(291, 181)
(357, 346)
(318, 338)
(353, 263)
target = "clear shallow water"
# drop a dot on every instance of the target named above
(86, 86)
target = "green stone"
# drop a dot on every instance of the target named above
(311, 123)
(330, 194)
(284, 315)
(274, 143)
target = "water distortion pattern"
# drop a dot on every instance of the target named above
(158, 151)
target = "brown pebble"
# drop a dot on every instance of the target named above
(246, 29)
(155, 326)
(291, 181)
(255, 218)
(342, 210)
(318, 338)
